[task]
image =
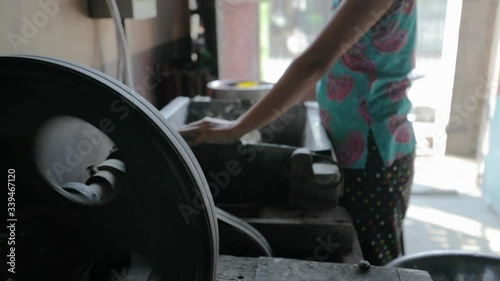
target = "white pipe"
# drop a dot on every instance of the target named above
(122, 41)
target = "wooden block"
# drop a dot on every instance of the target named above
(275, 269)
(231, 268)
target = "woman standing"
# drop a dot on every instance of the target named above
(361, 59)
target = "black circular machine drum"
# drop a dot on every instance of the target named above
(104, 189)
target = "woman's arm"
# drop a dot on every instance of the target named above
(350, 22)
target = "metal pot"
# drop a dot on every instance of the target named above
(239, 89)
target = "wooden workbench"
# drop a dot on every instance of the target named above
(277, 269)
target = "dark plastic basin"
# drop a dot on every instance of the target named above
(453, 265)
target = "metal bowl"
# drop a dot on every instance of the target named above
(239, 89)
(451, 265)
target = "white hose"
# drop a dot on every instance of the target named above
(122, 43)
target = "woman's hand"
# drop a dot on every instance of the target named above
(212, 130)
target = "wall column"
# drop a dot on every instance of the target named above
(473, 77)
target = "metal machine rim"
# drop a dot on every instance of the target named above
(184, 154)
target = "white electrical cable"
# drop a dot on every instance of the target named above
(121, 53)
(120, 63)
(122, 42)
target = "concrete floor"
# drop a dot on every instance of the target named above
(447, 210)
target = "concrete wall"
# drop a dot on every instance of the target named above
(491, 149)
(491, 178)
(473, 77)
(62, 29)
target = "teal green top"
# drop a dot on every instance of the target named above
(366, 90)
